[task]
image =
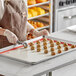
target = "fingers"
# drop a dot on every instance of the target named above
(43, 32)
(46, 32)
(15, 39)
(12, 38)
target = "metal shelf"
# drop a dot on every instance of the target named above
(38, 4)
(47, 14)
(43, 27)
(50, 14)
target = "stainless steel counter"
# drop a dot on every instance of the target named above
(15, 68)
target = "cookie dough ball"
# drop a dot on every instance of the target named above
(52, 49)
(25, 46)
(38, 46)
(52, 45)
(51, 41)
(45, 47)
(38, 42)
(38, 49)
(58, 47)
(72, 46)
(59, 51)
(45, 43)
(58, 43)
(31, 44)
(45, 51)
(65, 44)
(53, 53)
(44, 39)
(66, 48)
(32, 48)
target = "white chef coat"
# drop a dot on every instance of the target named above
(29, 26)
(1, 8)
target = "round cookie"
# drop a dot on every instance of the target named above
(65, 44)
(57, 43)
(52, 49)
(72, 46)
(51, 41)
(52, 45)
(59, 51)
(66, 48)
(53, 53)
(38, 49)
(58, 47)
(45, 47)
(45, 51)
(44, 39)
(25, 47)
(45, 43)
(38, 42)
(32, 48)
(31, 44)
(38, 46)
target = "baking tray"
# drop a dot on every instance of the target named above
(19, 53)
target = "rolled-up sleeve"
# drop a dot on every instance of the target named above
(1, 8)
(29, 27)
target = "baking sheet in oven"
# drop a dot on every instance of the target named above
(34, 57)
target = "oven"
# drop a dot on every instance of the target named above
(65, 14)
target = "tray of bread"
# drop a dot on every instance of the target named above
(38, 50)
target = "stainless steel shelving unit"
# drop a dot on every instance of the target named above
(43, 27)
(39, 4)
(47, 14)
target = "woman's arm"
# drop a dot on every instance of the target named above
(29, 27)
(33, 31)
(12, 38)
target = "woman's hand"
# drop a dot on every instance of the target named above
(12, 38)
(43, 32)
(39, 33)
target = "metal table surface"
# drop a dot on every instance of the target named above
(14, 68)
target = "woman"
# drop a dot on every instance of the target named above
(13, 21)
